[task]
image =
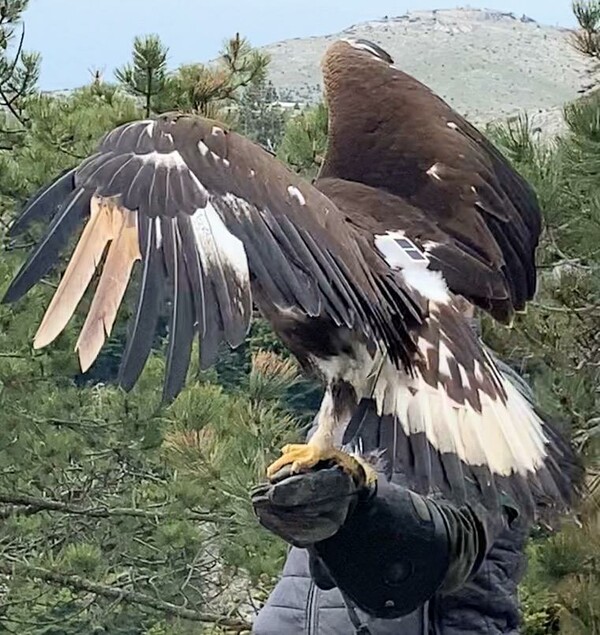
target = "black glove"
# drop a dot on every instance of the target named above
(388, 554)
(306, 508)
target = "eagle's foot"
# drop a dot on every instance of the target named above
(303, 457)
(370, 475)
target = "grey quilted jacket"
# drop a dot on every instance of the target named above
(486, 604)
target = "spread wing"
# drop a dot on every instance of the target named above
(477, 219)
(208, 215)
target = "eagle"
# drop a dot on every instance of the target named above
(369, 275)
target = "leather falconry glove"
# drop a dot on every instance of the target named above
(306, 508)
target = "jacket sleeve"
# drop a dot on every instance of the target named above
(397, 549)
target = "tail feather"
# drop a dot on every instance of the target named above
(461, 426)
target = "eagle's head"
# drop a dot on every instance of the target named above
(350, 64)
(348, 56)
(370, 47)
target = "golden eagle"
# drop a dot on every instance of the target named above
(367, 275)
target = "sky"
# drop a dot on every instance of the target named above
(76, 37)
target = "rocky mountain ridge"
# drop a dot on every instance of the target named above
(488, 64)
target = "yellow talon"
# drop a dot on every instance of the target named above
(303, 457)
(370, 475)
(300, 456)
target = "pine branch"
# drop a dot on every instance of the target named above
(10, 71)
(9, 102)
(587, 40)
(24, 504)
(80, 584)
(566, 309)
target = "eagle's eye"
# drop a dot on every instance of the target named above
(370, 47)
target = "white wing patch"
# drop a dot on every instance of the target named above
(237, 205)
(507, 437)
(172, 161)
(370, 47)
(430, 284)
(218, 246)
(402, 253)
(204, 150)
(167, 159)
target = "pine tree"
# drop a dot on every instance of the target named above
(305, 140)
(213, 90)
(146, 75)
(19, 72)
(587, 39)
(260, 117)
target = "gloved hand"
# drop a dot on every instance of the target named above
(306, 508)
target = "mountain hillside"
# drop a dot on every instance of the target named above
(488, 64)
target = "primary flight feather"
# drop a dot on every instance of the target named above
(368, 275)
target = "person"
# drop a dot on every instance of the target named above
(383, 559)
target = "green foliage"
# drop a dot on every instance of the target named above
(110, 488)
(214, 90)
(62, 131)
(587, 39)
(559, 330)
(232, 371)
(147, 74)
(305, 140)
(560, 592)
(19, 72)
(260, 117)
(120, 516)
(583, 119)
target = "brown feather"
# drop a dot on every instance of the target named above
(480, 220)
(122, 254)
(83, 263)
